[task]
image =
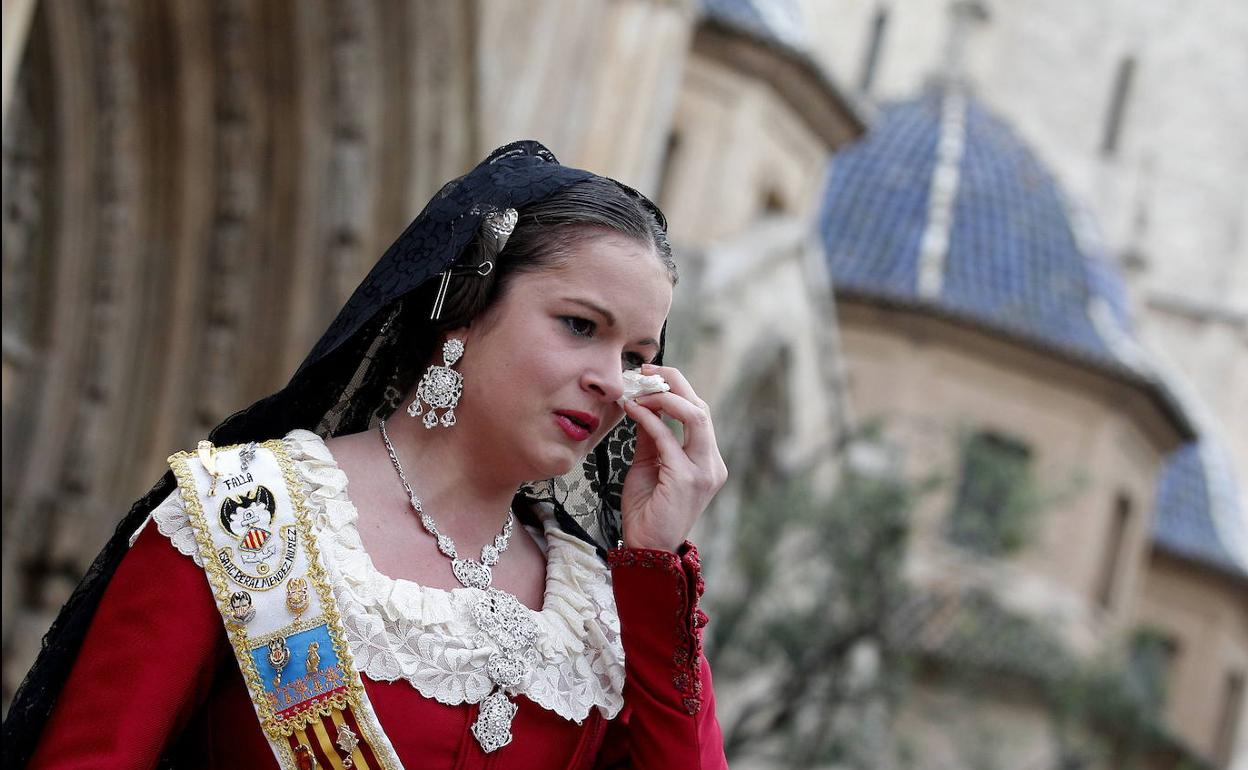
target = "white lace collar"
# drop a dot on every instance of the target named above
(398, 629)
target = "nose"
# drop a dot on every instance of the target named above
(605, 381)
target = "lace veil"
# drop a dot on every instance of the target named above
(359, 368)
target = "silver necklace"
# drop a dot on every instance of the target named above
(471, 573)
(500, 617)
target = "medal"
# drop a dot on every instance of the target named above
(297, 596)
(241, 608)
(347, 741)
(279, 656)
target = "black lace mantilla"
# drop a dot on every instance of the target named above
(355, 366)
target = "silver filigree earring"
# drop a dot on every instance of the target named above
(440, 388)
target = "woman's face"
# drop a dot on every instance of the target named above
(542, 367)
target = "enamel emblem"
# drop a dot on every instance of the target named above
(279, 656)
(241, 608)
(248, 517)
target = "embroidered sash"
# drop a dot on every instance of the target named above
(256, 543)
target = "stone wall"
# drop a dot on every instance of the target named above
(1204, 616)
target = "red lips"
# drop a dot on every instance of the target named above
(577, 425)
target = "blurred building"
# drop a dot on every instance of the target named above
(192, 189)
(1124, 102)
(987, 329)
(1132, 105)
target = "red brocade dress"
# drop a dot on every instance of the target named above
(620, 680)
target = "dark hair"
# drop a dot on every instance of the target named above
(545, 236)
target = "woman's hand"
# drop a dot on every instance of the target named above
(670, 482)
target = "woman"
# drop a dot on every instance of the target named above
(360, 629)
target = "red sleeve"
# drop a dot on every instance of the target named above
(669, 714)
(147, 661)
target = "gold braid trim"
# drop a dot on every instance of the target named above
(296, 627)
(353, 696)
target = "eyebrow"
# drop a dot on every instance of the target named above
(607, 316)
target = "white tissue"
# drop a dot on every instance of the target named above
(637, 384)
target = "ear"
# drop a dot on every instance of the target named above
(462, 333)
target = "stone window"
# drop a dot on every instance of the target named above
(1118, 99)
(1152, 662)
(668, 168)
(1229, 718)
(871, 57)
(769, 418)
(993, 499)
(772, 203)
(1110, 563)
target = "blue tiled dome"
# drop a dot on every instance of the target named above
(1003, 247)
(1199, 510)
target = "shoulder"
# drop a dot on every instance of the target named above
(352, 450)
(357, 458)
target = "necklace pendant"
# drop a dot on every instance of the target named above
(472, 574)
(506, 669)
(493, 726)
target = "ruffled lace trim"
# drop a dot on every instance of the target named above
(172, 522)
(398, 629)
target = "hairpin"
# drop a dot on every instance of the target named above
(496, 225)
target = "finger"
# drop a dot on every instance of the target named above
(699, 430)
(669, 449)
(679, 384)
(645, 451)
(700, 454)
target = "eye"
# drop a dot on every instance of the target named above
(634, 360)
(581, 327)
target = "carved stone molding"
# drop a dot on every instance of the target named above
(191, 190)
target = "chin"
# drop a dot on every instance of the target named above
(560, 458)
(557, 456)
(562, 465)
